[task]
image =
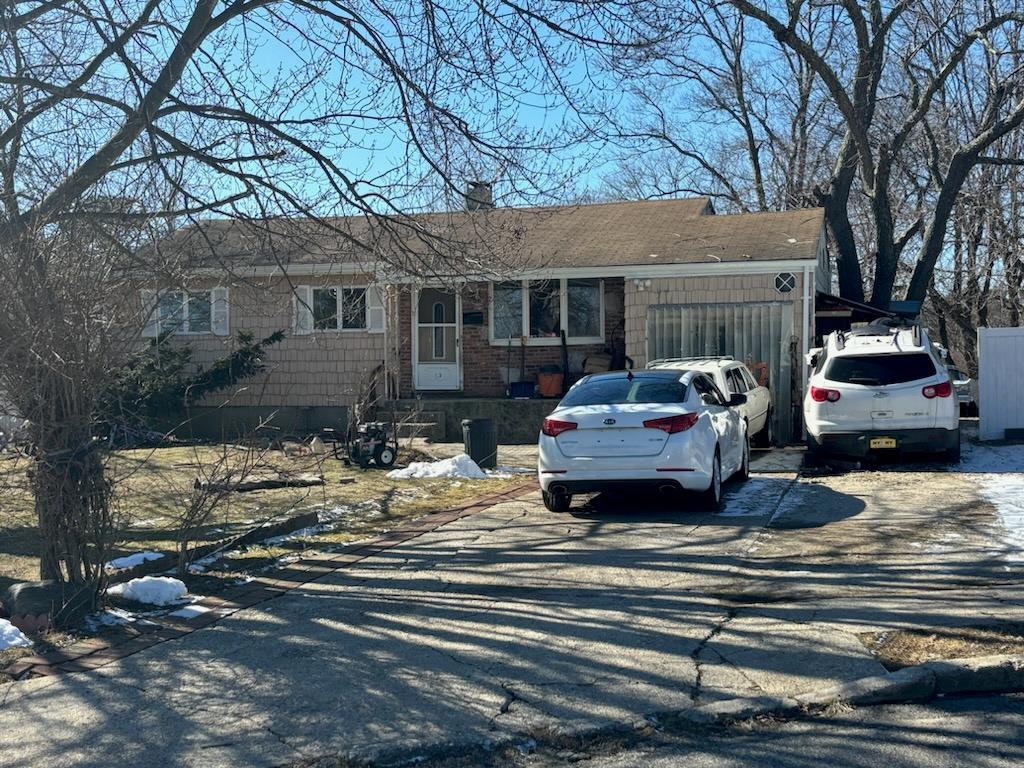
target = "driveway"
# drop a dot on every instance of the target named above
(516, 619)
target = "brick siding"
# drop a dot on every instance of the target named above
(482, 362)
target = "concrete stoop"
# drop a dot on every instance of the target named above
(983, 674)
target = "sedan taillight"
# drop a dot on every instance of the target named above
(942, 389)
(673, 424)
(820, 395)
(554, 427)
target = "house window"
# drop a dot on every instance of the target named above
(185, 311)
(353, 308)
(325, 308)
(330, 304)
(438, 352)
(507, 311)
(545, 302)
(541, 309)
(584, 302)
(785, 282)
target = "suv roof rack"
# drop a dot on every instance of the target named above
(886, 326)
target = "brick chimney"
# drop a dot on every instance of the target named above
(479, 195)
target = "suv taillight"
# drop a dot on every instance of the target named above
(673, 424)
(820, 395)
(554, 427)
(942, 389)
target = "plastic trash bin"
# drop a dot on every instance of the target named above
(480, 442)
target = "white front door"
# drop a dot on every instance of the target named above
(437, 327)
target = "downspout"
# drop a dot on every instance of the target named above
(805, 343)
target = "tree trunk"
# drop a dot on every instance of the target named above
(72, 503)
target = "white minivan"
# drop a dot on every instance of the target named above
(883, 388)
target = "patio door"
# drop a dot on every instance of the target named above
(437, 359)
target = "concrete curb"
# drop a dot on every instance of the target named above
(982, 674)
(985, 674)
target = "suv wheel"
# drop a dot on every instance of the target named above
(953, 454)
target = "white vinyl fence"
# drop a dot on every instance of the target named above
(1000, 379)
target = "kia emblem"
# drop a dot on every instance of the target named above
(609, 421)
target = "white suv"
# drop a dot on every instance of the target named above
(882, 388)
(733, 378)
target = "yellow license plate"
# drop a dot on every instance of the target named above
(883, 442)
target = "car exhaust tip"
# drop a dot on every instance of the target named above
(667, 489)
(557, 488)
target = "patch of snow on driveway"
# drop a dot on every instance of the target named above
(759, 496)
(457, 466)
(991, 459)
(11, 636)
(1006, 493)
(1000, 470)
(155, 590)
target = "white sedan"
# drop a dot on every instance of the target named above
(667, 429)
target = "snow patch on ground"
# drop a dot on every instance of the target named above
(190, 611)
(760, 496)
(457, 466)
(1000, 480)
(300, 533)
(111, 617)
(11, 636)
(154, 590)
(130, 561)
(1005, 492)
(991, 459)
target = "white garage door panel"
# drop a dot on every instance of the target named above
(1000, 380)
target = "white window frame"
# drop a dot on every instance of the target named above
(338, 317)
(218, 301)
(375, 318)
(545, 341)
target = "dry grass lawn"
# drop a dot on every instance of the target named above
(152, 486)
(904, 648)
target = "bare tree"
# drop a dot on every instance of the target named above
(861, 85)
(124, 117)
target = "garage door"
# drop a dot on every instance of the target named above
(759, 334)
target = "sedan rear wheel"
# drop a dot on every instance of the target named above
(743, 473)
(556, 502)
(766, 436)
(711, 499)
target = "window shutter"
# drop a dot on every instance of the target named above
(219, 317)
(375, 315)
(303, 301)
(150, 310)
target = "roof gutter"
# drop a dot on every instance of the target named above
(629, 271)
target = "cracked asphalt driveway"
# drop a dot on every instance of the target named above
(517, 620)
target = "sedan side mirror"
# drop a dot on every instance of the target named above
(737, 399)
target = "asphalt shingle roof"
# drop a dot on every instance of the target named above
(595, 235)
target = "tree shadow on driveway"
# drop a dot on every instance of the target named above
(498, 623)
